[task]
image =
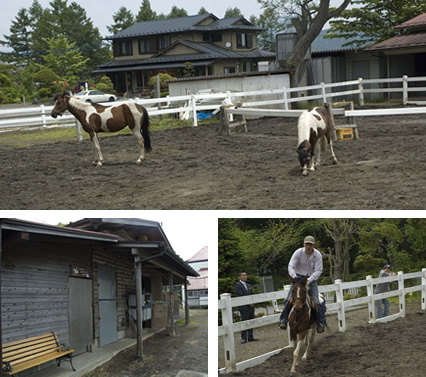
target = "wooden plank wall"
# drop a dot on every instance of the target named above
(35, 288)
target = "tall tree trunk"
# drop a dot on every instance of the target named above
(341, 231)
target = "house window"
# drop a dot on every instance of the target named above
(244, 40)
(164, 41)
(246, 65)
(204, 293)
(147, 46)
(213, 37)
(216, 37)
(123, 48)
(228, 69)
(192, 294)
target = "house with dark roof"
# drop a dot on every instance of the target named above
(208, 44)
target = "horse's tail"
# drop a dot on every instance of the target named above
(145, 130)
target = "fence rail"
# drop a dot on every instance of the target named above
(227, 303)
(188, 106)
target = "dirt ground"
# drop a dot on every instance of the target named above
(197, 168)
(394, 348)
(164, 356)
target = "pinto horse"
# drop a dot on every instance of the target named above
(302, 318)
(97, 118)
(314, 127)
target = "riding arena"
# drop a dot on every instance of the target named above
(205, 168)
(355, 342)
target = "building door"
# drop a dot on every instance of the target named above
(80, 314)
(107, 305)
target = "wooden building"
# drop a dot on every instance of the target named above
(78, 280)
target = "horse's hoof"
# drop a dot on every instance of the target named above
(305, 173)
(99, 164)
(138, 162)
(335, 162)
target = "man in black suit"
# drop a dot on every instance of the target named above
(242, 288)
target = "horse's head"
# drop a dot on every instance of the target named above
(298, 292)
(61, 104)
(304, 151)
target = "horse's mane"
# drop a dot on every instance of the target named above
(80, 105)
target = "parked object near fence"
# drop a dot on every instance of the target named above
(228, 328)
(97, 118)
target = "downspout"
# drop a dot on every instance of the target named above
(139, 298)
(1, 322)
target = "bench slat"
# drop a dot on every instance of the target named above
(15, 352)
(27, 353)
(29, 364)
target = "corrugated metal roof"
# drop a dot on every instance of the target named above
(401, 41)
(414, 22)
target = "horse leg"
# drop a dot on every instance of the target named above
(309, 340)
(332, 152)
(97, 150)
(137, 134)
(296, 355)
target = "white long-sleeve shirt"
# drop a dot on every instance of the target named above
(302, 264)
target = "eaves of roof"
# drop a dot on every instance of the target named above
(183, 24)
(418, 21)
(401, 42)
(53, 230)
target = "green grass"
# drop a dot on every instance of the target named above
(52, 135)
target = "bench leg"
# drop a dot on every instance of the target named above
(70, 360)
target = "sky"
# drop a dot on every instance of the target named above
(101, 11)
(187, 231)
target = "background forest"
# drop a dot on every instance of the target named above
(351, 248)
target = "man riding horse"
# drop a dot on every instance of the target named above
(306, 261)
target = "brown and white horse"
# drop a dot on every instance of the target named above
(314, 127)
(302, 318)
(97, 118)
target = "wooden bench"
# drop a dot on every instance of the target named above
(27, 353)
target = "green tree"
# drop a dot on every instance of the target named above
(9, 91)
(308, 17)
(122, 20)
(372, 21)
(105, 85)
(177, 12)
(232, 12)
(203, 11)
(145, 12)
(188, 70)
(20, 36)
(64, 59)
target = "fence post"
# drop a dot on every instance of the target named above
(401, 293)
(424, 289)
(290, 342)
(370, 294)
(43, 115)
(285, 99)
(228, 339)
(404, 89)
(361, 91)
(324, 94)
(340, 306)
(194, 111)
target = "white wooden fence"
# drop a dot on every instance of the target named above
(280, 98)
(228, 328)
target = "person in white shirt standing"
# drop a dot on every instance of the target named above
(306, 261)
